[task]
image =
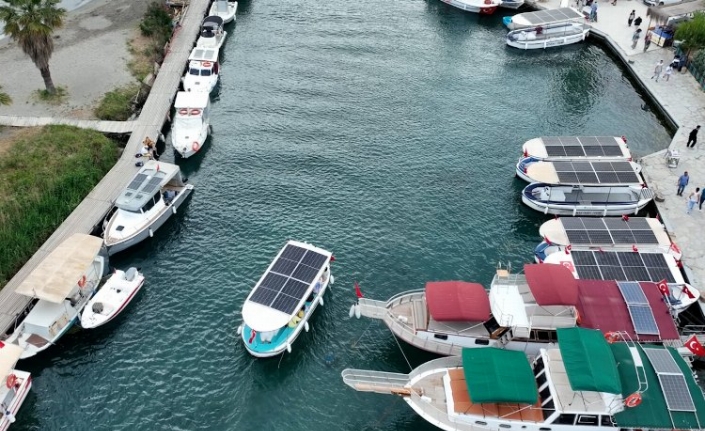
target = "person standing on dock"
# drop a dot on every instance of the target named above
(630, 20)
(693, 199)
(635, 37)
(702, 199)
(637, 21)
(693, 137)
(657, 70)
(647, 41)
(682, 182)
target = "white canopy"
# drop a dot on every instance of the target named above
(9, 355)
(54, 278)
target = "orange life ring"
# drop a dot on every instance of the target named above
(195, 146)
(183, 111)
(206, 64)
(195, 111)
(633, 400)
(82, 282)
(11, 381)
(611, 337)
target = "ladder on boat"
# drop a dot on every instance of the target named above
(381, 382)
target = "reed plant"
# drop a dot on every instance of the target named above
(45, 176)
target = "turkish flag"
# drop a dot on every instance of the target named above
(663, 287)
(694, 346)
(358, 292)
(688, 292)
(332, 258)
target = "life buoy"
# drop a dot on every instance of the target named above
(82, 282)
(195, 111)
(183, 111)
(207, 64)
(633, 400)
(11, 381)
(195, 146)
(611, 337)
(253, 333)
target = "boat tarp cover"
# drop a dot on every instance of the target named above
(9, 355)
(588, 360)
(56, 276)
(453, 301)
(653, 411)
(551, 284)
(601, 306)
(497, 376)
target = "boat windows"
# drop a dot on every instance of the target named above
(482, 341)
(150, 203)
(587, 420)
(193, 71)
(205, 72)
(606, 421)
(565, 419)
(543, 335)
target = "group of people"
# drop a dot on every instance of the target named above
(696, 197)
(636, 20)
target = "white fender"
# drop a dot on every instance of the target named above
(239, 330)
(305, 326)
(151, 233)
(575, 211)
(545, 211)
(173, 208)
(352, 311)
(320, 301)
(288, 347)
(332, 279)
(357, 311)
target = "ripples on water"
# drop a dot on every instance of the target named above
(385, 131)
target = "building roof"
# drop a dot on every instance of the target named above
(59, 273)
(9, 355)
(496, 376)
(601, 306)
(551, 284)
(450, 301)
(588, 360)
(188, 99)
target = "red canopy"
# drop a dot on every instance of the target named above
(602, 307)
(551, 284)
(450, 301)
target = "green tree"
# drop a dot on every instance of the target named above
(157, 24)
(31, 24)
(692, 33)
(5, 99)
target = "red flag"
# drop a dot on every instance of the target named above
(358, 292)
(663, 287)
(568, 248)
(688, 292)
(625, 217)
(2, 344)
(694, 346)
(157, 167)
(332, 258)
(634, 249)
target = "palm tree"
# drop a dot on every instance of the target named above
(31, 24)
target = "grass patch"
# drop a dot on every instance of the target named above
(116, 105)
(45, 175)
(142, 62)
(5, 98)
(54, 99)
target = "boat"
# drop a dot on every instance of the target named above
(17, 384)
(606, 234)
(521, 312)
(585, 172)
(568, 148)
(203, 71)
(548, 35)
(512, 4)
(224, 9)
(281, 303)
(484, 7)
(191, 124)
(63, 282)
(112, 298)
(542, 17)
(212, 34)
(585, 383)
(600, 201)
(634, 265)
(153, 195)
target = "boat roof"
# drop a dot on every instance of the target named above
(9, 355)
(546, 16)
(497, 375)
(584, 172)
(187, 99)
(551, 284)
(588, 361)
(221, 6)
(204, 54)
(571, 147)
(58, 274)
(212, 21)
(450, 301)
(590, 231)
(148, 181)
(283, 288)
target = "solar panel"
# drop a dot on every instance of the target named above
(632, 292)
(621, 266)
(675, 390)
(579, 146)
(643, 319)
(581, 172)
(152, 185)
(137, 181)
(662, 361)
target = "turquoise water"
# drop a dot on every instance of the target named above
(384, 131)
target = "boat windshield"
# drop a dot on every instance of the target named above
(205, 72)
(193, 71)
(190, 122)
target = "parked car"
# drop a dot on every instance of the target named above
(661, 2)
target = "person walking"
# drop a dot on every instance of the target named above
(693, 137)
(693, 199)
(593, 11)
(647, 41)
(668, 72)
(657, 70)
(630, 20)
(635, 37)
(637, 21)
(682, 182)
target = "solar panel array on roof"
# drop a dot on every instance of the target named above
(608, 231)
(137, 181)
(549, 16)
(670, 376)
(639, 309)
(582, 146)
(286, 283)
(596, 173)
(621, 266)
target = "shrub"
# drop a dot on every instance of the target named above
(157, 23)
(116, 105)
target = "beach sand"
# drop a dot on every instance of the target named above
(90, 58)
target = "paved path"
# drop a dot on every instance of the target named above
(92, 209)
(101, 126)
(684, 101)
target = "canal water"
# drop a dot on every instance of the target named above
(384, 131)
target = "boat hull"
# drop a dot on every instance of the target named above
(90, 320)
(586, 201)
(18, 399)
(191, 146)
(476, 7)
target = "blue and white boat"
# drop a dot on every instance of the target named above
(284, 299)
(574, 200)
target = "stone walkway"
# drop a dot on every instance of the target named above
(684, 101)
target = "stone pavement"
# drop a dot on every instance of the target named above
(684, 102)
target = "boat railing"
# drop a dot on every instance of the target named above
(382, 382)
(440, 418)
(407, 333)
(693, 330)
(406, 296)
(440, 363)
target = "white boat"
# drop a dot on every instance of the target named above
(542, 17)
(112, 298)
(606, 234)
(203, 71)
(547, 36)
(568, 148)
(485, 7)
(16, 384)
(584, 172)
(284, 298)
(224, 9)
(601, 201)
(63, 283)
(655, 267)
(583, 384)
(512, 4)
(522, 311)
(153, 195)
(191, 124)
(212, 34)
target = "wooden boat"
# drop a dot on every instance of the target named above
(581, 200)
(112, 298)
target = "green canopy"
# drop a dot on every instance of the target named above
(499, 376)
(588, 360)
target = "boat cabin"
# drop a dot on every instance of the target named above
(212, 34)
(203, 62)
(191, 109)
(148, 187)
(543, 17)
(577, 148)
